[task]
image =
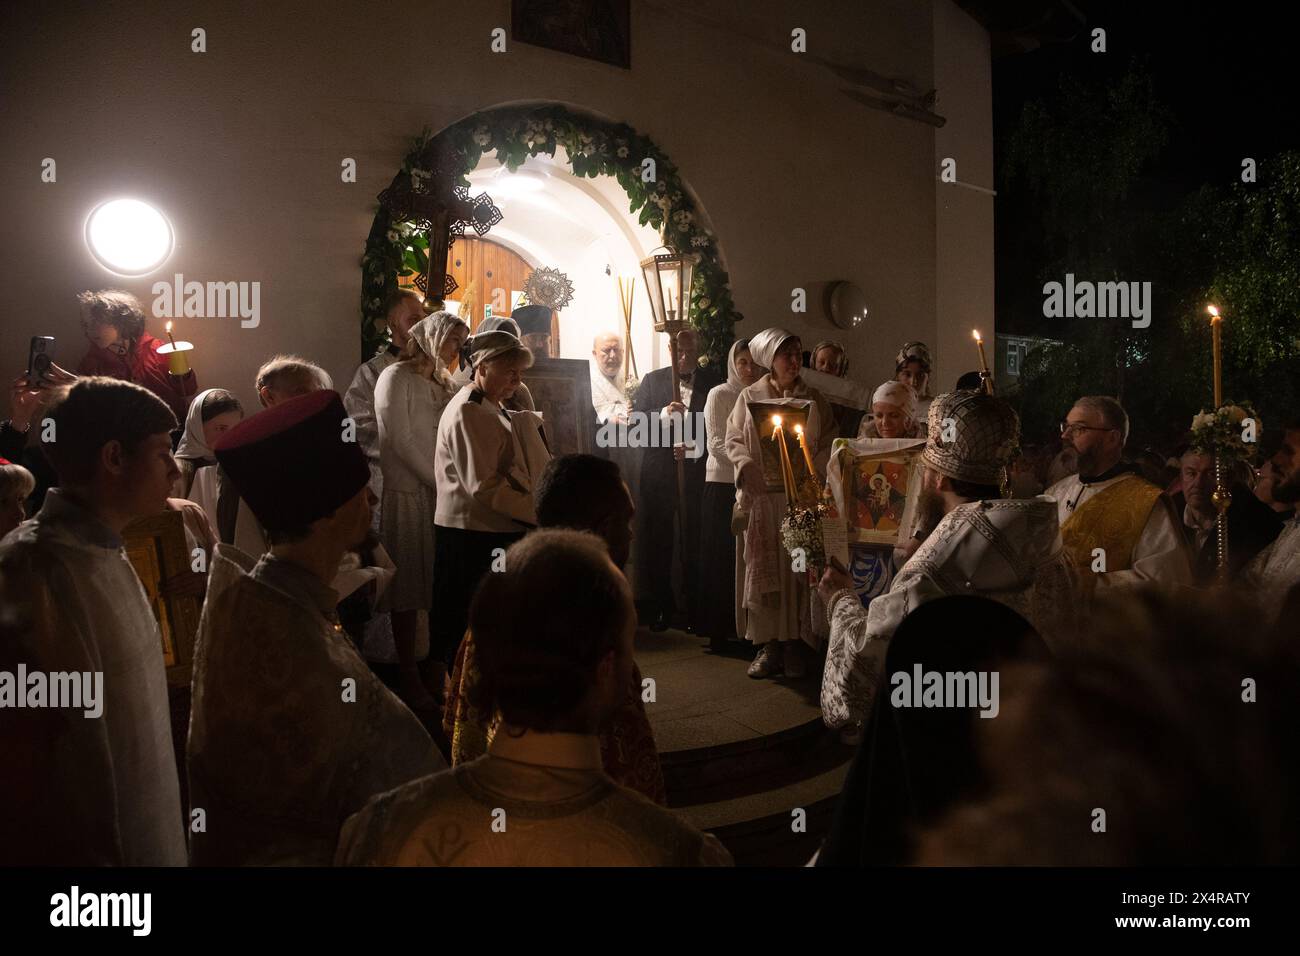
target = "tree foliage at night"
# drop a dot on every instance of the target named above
(1080, 160)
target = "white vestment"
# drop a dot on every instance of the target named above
(607, 395)
(1008, 550)
(1160, 553)
(359, 400)
(110, 790)
(1275, 570)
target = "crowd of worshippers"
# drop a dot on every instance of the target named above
(424, 507)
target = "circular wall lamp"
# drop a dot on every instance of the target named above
(129, 237)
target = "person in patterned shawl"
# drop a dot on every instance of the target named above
(1006, 549)
(589, 494)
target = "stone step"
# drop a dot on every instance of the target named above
(758, 828)
(722, 735)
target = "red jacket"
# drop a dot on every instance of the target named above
(143, 365)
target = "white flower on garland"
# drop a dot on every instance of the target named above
(418, 176)
(375, 303)
(393, 235)
(699, 242)
(622, 151)
(482, 136)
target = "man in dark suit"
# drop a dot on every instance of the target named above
(1252, 525)
(657, 507)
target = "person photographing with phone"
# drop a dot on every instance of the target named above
(121, 348)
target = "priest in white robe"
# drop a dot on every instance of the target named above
(1119, 529)
(607, 393)
(1006, 549)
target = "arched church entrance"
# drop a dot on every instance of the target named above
(566, 191)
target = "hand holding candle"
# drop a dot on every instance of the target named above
(177, 362)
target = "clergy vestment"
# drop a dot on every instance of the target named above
(291, 732)
(1275, 570)
(607, 395)
(1009, 550)
(106, 790)
(499, 812)
(1131, 520)
(359, 400)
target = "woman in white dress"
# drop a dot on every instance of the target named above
(775, 597)
(410, 396)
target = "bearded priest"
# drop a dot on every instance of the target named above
(982, 544)
(1120, 529)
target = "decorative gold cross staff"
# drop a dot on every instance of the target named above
(443, 209)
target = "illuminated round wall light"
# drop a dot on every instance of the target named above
(129, 237)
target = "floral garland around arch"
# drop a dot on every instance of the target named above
(595, 147)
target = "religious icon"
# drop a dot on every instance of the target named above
(880, 491)
(875, 483)
(776, 420)
(156, 548)
(561, 390)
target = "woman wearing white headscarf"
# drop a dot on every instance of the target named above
(893, 413)
(717, 540)
(912, 366)
(775, 598)
(410, 396)
(211, 413)
(522, 399)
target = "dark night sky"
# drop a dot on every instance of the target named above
(1227, 72)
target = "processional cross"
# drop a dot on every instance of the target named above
(442, 208)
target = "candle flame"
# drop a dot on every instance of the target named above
(1213, 310)
(776, 420)
(798, 429)
(169, 325)
(975, 334)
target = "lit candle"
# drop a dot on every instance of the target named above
(1216, 329)
(984, 364)
(177, 362)
(807, 456)
(787, 470)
